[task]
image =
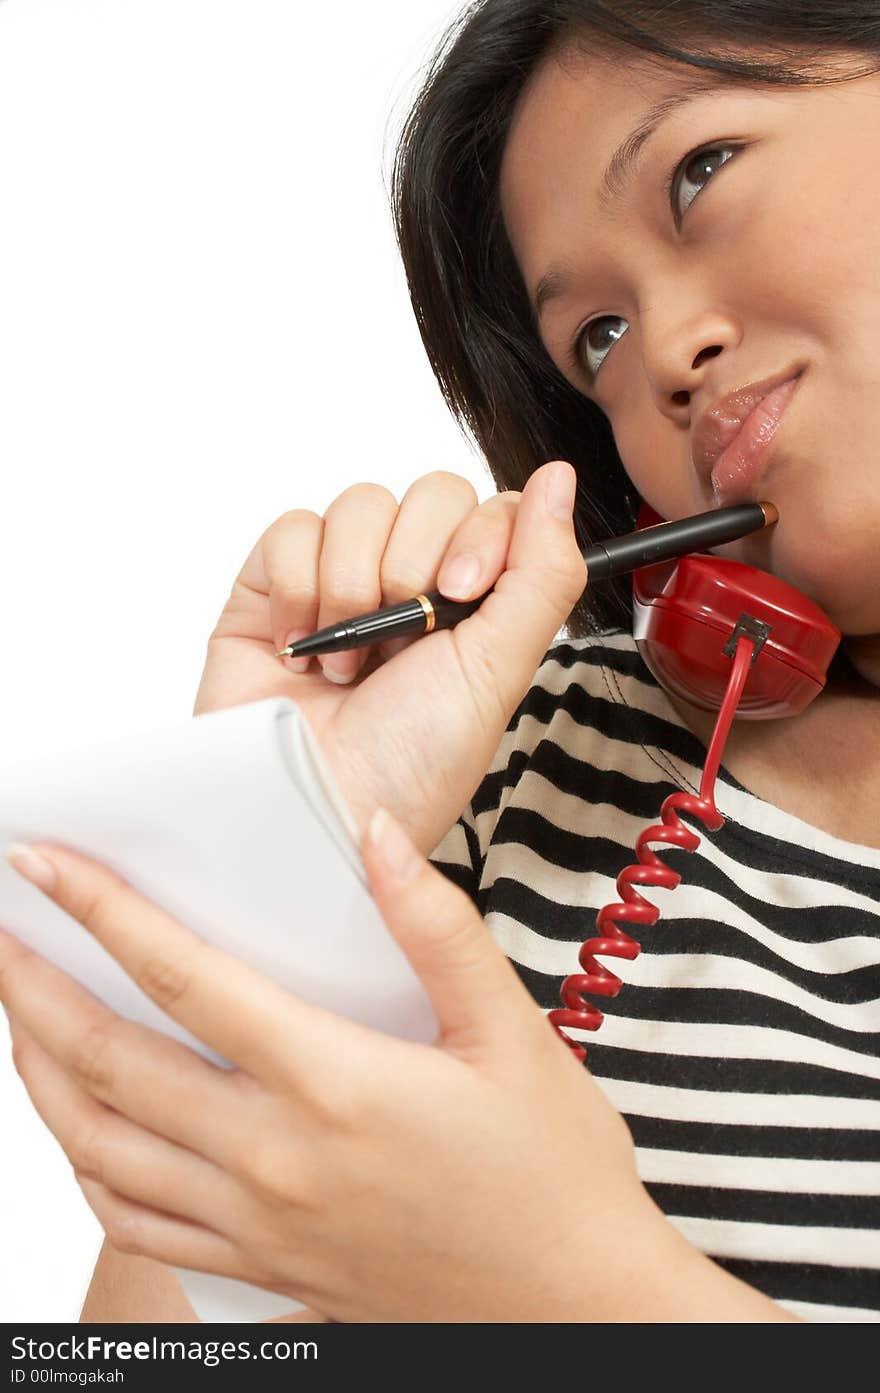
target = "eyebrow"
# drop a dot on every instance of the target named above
(557, 281)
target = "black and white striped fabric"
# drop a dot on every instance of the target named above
(742, 1048)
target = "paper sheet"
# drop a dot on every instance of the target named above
(231, 823)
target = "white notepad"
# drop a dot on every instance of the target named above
(232, 823)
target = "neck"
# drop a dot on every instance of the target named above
(853, 679)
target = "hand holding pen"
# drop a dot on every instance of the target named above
(416, 734)
(616, 556)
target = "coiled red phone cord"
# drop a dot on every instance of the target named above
(614, 942)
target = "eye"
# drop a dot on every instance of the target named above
(703, 160)
(589, 339)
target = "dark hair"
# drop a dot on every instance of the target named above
(472, 308)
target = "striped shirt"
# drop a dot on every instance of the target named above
(742, 1049)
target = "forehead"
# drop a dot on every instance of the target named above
(574, 111)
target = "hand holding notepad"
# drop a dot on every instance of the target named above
(231, 823)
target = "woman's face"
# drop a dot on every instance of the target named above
(771, 261)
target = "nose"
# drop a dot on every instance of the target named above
(676, 352)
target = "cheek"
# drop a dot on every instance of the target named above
(815, 301)
(656, 456)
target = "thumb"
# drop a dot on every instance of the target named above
(545, 576)
(472, 986)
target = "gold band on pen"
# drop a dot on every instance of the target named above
(429, 612)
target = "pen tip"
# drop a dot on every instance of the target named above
(771, 513)
(285, 653)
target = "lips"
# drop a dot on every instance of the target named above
(732, 435)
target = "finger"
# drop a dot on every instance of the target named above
(277, 587)
(477, 554)
(244, 1016)
(475, 534)
(357, 526)
(154, 1081)
(531, 600)
(135, 1228)
(289, 551)
(480, 1003)
(104, 1146)
(431, 511)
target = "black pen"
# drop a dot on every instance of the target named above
(662, 542)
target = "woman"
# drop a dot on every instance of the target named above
(742, 1048)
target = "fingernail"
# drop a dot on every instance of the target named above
(458, 579)
(33, 867)
(560, 492)
(395, 849)
(297, 664)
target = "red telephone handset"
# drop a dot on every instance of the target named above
(728, 638)
(688, 613)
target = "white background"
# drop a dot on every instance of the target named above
(203, 323)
